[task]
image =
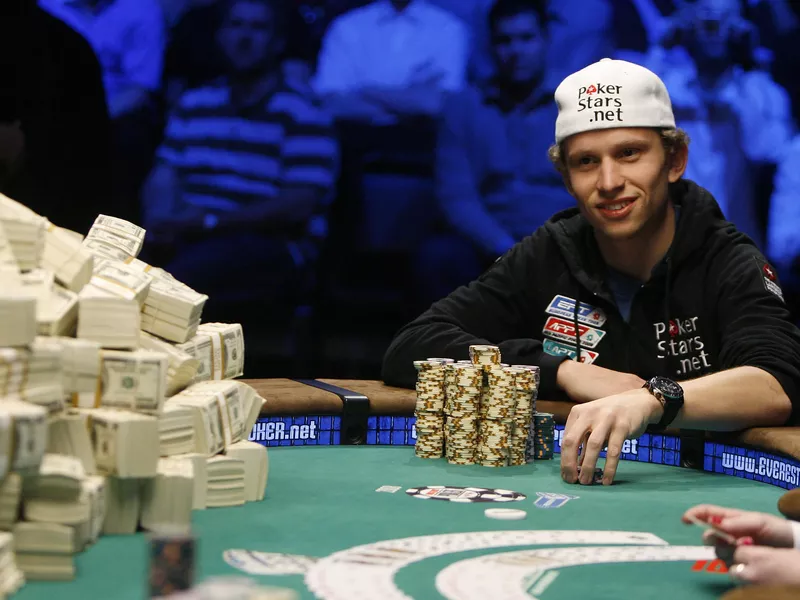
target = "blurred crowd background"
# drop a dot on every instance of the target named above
(325, 169)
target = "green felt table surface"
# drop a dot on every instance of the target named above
(321, 500)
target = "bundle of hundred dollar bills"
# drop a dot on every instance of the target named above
(119, 407)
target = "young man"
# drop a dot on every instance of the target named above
(680, 320)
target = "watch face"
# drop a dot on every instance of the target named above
(668, 387)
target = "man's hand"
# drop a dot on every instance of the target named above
(585, 383)
(609, 420)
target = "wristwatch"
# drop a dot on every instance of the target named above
(670, 394)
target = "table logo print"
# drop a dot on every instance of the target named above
(550, 500)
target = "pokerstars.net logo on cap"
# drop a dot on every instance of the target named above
(602, 98)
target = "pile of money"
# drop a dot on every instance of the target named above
(118, 406)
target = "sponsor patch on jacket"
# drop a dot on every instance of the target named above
(770, 277)
(564, 307)
(564, 331)
(558, 349)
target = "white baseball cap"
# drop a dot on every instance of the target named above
(609, 94)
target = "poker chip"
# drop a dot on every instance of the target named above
(172, 557)
(463, 494)
(505, 514)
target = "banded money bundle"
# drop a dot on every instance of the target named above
(219, 348)
(65, 256)
(33, 374)
(115, 237)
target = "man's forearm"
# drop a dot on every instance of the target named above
(127, 100)
(733, 400)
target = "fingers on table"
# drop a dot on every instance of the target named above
(574, 433)
(760, 564)
(592, 449)
(618, 436)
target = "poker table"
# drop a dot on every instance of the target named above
(350, 512)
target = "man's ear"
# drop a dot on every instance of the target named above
(677, 163)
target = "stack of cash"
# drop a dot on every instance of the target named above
(33, 374)
(11, 578)
(66, 258)
(10, 496)
(23, 430)
(118, 235)
(17, 314)
(225, 478)
(58, 314)
(125, 443)
(199, 469)
(206, 410)
(123, 505)
(45, 551)
(80, 362)
(172, 310)
(167, 499)
(8, 262)
(24, 230)
(219, 347)
(56, 306)
(176, 430)
(134, 381)
(182, 366)
(68, 435)
(256, 467)
(110, 304)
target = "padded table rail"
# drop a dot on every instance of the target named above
(300, 412)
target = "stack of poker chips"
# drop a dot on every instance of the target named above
(543, 436)
(496, 418)
(429, 410)
(463, 393)
(525, 395)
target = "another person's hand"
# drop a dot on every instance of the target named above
(763, 552)
(610, 420)
(762, 529)
(585, 383)
(166, 230)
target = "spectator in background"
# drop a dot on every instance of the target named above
(738, 118)
(128, 39)
(54, 124)
(193, 57)
(783, 241)
(246, 164)
(391, 60)
(494, 182)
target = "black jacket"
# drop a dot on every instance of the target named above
(712, 304)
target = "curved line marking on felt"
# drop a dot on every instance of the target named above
(512, 575)
(367, 571)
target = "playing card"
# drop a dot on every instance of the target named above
(724, 536)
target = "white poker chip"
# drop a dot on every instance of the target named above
(505, 514)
